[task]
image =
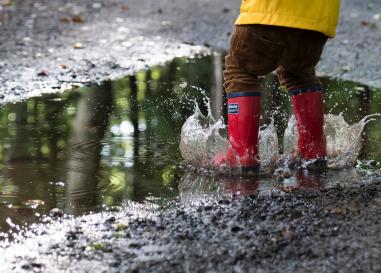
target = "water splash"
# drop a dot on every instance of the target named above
(203, 137)
(344, 141)
(268, 147)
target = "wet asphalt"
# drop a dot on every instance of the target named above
(50, 46)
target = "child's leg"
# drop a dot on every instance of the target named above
(250, 56)
(297, 73)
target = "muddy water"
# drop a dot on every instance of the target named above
(96, 148)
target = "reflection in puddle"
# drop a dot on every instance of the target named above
(95, 148)
(195, 188)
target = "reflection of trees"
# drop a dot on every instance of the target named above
(134, 113)
(364, 97)
(87, 131)
(29, 156)
(134, 116)
(216, 94)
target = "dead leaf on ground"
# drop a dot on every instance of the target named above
(78, 19)
(64, 19)
(6, 2)
(369, 24)
(124, 7)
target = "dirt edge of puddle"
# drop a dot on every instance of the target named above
(272, 233)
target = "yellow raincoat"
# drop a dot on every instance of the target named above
(317, 15)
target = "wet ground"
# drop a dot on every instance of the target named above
(113, 148)
(49, 46)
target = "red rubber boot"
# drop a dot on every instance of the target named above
(243, 128)
(307, 104)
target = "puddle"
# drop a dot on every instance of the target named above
(96, 148)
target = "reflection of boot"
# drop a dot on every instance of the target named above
(240, 186)
(307, 104)
(307, 179)
(243, 127)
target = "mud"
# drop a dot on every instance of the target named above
(48, 46)
(334, 231)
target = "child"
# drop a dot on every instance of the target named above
(287, 36)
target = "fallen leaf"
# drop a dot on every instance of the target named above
(124, 7)
(64, 19)
(78, 19)
(369, 24)
(6, 2)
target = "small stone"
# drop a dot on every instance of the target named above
(346, 68)
(97, 5)
(295, 214)
(56, 212)
(78, 46)
(110, 220)
(42, 73)
(235, 229)
(288, 235)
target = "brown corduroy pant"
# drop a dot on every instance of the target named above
(257, 50)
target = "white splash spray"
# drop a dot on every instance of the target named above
(203, 137)
(344, 141)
